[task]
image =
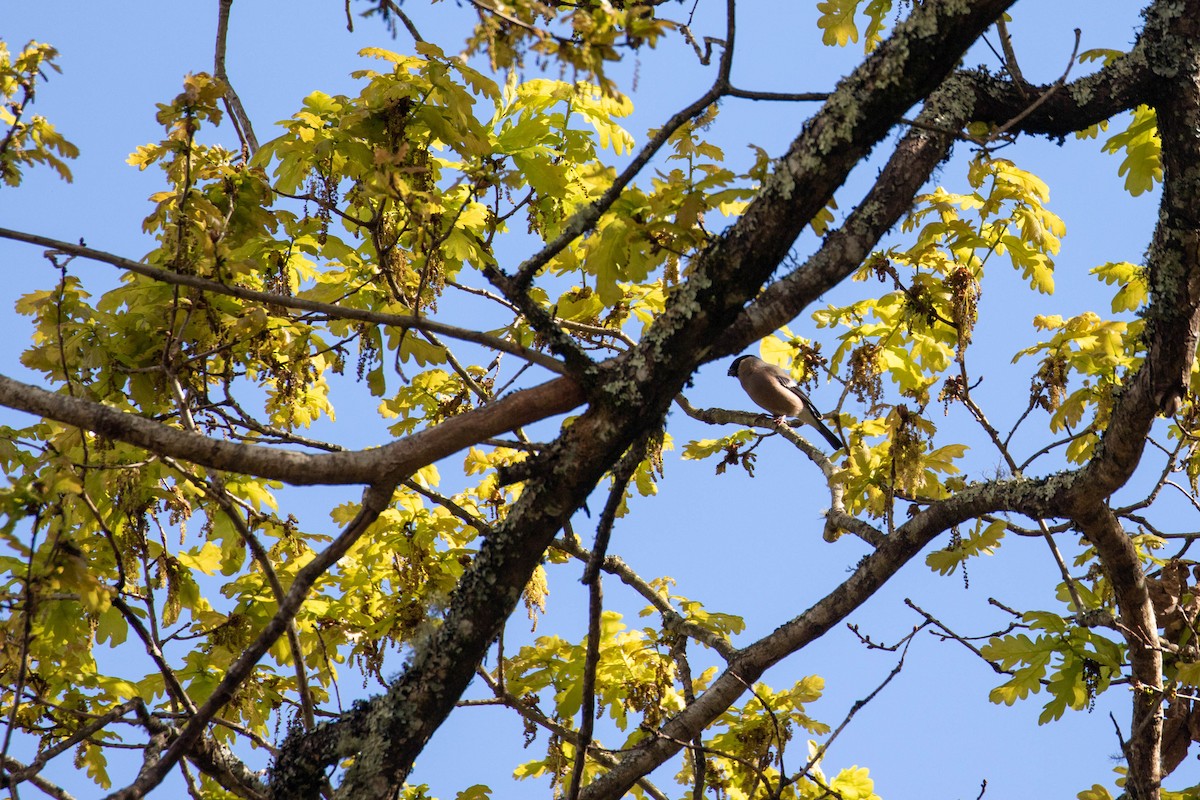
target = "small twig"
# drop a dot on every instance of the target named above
(1185, 493)
(993, 601)
(591, 662)
(404, 19)
(1043, 97)
(215, 488)
(12, 766)
(684, 668)
(26, 638)
(673, 621)
(531, 712)
(779, 737)
(476, 522)
(964, 396)
(376, 498)
(149, 641)
(540, 33)
(1010, 57)
(858, 706)
(873, 645)
(1120, 737)
(836, 518)
(28, 771)
(964, 641)
(786, 97)
(591, 578)
(586, 217)
(270, 299)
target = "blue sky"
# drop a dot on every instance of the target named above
(740, 545)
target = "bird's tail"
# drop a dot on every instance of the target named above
(829, 435)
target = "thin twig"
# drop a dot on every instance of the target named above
(11, 765)
(1010, 57)
(964, 395)
(786, 97)
(586, 217)
(931, 620)
(1043, 97)
(270, 299)
(28, 771)
(854, 709)
(531, 712)
(673, 621)
(215, 488)
(26, 638)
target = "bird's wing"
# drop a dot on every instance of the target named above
(789, 383)
(809, 414)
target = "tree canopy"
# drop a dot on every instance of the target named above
(506, 290)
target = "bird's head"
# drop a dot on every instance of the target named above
(733, 368)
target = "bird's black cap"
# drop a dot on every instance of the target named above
(733, 368)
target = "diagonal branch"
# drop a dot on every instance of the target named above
(749, 663)
(843, 250)
(241, 120)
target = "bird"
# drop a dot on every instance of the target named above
(774, 390)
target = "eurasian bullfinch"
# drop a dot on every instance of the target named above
(773, 389)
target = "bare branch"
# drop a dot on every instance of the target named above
(12, 766)
(233, 103)
(302, 469)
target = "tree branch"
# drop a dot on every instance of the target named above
(237, 112)
(749, 663)
(302, 469)
(269, 299)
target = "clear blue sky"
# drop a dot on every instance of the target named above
(740, 545)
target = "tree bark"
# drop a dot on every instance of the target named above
(387, 734)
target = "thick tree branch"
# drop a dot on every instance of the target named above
(302, 469)
(1117, 87)
(843, 250)
(1140, 629)
(749, 664)
(964, 97)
